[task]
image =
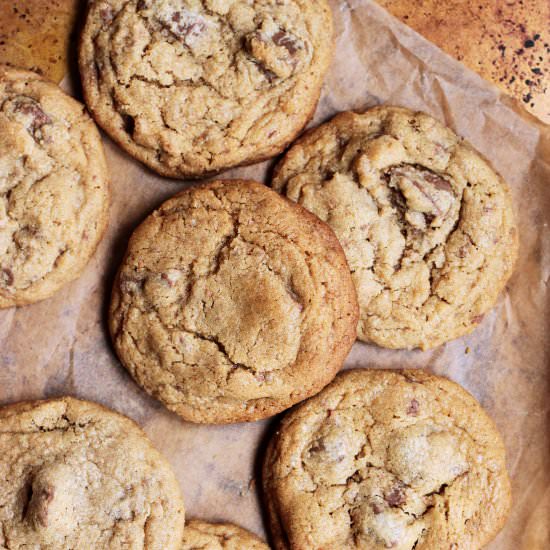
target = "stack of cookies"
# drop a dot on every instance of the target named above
(236, 301)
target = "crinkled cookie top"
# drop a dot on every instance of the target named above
(233, 303)
(76, 475)
(200, 535)
(386, 459)
(53, 188)
(426, 224)
(194, 86)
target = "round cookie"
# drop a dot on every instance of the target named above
(232, 303)
(426, 224)
(54, 195)
(386, 459)
(200, 535)
(76, 475)
(191, 88)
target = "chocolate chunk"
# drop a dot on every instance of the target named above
(434, 189)
(185, 25)
(285, 40)
(396, 497)
(269, 75)
(39, 117)
(7, 275)
(377, 508)
(165, 277)
(41, 497)
(438, 182)
(413, 408)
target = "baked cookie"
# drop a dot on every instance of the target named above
(426, 224)
(193, 87)
(232, 303)
(200, 535)
(387, 459)
(54, 195)
(76, 475)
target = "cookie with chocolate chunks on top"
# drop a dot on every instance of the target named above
(427, 225)
(386, 459)
(54, 190)
(74, 474)
(192, 88)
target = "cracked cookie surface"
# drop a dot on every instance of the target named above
(191, 87)
(201, 535)
(76, 475)
(426, 224)
(54, 196)
(386, 459)
(232, 303)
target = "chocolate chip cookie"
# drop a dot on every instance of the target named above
(387, 459)
(201, 535)
(426, 223)
(232, 303)
(76, 475)
(54, 196)
(193, 87)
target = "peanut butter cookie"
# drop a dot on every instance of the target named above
(54, 196)
(191, 87)
(426, 223)
(76, 475)
(387, 459)
(200, 535)
(233, 303)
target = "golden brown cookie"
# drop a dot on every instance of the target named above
(54, 195)
(74, 474)
(194, 87)
(426, 223)
(232, 303)
(200, 535)
(387, 459)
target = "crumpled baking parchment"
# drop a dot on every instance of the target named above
(61, 346)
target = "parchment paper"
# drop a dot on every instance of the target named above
(61, 346)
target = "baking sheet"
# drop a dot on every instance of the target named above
(61, 346)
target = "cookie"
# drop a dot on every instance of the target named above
(426, 223)
(191, 88)
(76, 475)
(232, 303)
(54, 195)
(200, 535)
(387, 459)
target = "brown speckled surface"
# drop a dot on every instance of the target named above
(35, 34)
(508, 43)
